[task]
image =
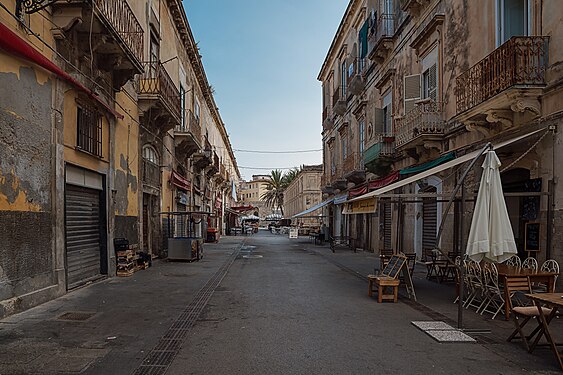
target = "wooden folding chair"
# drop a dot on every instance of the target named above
(521, 315)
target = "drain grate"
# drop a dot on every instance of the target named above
(76, 316)
(161, 356)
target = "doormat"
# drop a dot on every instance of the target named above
(442, 332)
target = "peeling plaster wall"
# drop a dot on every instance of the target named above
(26, 239)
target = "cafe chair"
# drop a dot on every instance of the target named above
(549, 265)
(530, 263)
(493, 294)
(521, 315)
(513, 261)
(474, 285)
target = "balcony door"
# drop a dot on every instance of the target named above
(513, 19)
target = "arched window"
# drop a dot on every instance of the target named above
(149, 154)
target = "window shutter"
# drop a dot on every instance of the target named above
(432, 83)
(411, 91)
(379, 120)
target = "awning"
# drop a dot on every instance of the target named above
(384, 181)
(180, 181)
(428, 165)
(439, 168)
(314, 208)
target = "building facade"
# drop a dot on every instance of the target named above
(409, 85)
(303, 193)
(251, 192)
(107, 121)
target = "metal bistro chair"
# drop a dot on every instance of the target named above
(513, 261)
(530, 263)
(549, 265)
(493, 294)
(474, 285)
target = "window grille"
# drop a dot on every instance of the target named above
(89, 128)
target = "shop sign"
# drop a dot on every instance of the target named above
(364, 206)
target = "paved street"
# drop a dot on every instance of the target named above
(254, 305)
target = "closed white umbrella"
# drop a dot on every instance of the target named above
(491, 235)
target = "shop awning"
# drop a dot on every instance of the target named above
(428, 165)
(314, 208)
(384, 181)
(180, 181)
(437, 169)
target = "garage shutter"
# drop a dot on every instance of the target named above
(387, 225)
(82, 223)
(429, 220)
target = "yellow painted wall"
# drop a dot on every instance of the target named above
(71, 154)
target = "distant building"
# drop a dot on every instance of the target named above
(250, 193)
(303, 193)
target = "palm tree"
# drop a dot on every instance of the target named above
(290, 176)
(274, 190)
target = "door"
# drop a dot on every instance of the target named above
(429, 220)
(83, 234)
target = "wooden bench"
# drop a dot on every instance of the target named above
(389, 278)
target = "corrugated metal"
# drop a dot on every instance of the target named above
(82, 226)
(387, 225)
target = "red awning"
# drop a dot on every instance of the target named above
(12, 43)
(358, 191)
(379, 183)
(180, 181)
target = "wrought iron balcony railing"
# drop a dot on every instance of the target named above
(155, 82)
(519, 61)
(353, 162)
(193, 127)
(387, 144)
(385, 26)
(425, 119)
(119, 16)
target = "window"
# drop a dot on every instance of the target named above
(344, 146)
(429, 86)
(513, 19)
(149, 154)
(196, 111)
(362, 137)
(387, 113)
(154, 55)
(183, 104)
(343, 79)
(89, 130)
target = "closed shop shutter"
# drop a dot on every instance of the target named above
(82, 224)
(429, 220)
(387, 225)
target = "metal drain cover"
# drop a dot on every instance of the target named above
(252, 256)
(76, 316)
(247, 248)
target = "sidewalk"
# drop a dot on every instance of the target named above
(436, 301)
(115, 319)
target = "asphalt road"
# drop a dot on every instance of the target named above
(284, 310)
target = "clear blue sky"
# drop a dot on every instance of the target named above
(263, 57)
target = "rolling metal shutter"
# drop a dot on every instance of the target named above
(387, 225)
(429, 220)
(82, 223)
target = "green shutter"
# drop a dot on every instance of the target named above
(363, 37)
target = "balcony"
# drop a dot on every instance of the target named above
(203, 158)
(111, 32)
(150, 174)
(382, 39)
(356, 79)
(188, 138)
(422, 128)
(353, 168)
(378, 158)
(504, 88)
(339, 101)
(328, 121)
(213, 168)
(337, 180)
(158, 97)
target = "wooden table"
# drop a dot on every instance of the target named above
(505, 272)
(555, 302)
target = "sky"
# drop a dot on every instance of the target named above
(262, 58)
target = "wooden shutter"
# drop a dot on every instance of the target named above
(432, 83)
(411, 91)
(379, 121)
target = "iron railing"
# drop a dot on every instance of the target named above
(519, 61)
(155, 81)
(336, 96)
(426, 118)
(121, 18)
(385, 26)
(150, 173)
(387, 141)
(353, 162)
(192, 127)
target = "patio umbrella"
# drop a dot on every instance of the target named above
(491, 235)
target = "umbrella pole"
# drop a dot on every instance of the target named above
(462, 253)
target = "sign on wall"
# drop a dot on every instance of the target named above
(364, 206)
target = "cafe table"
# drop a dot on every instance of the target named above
(555, 302)
(505, 272)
